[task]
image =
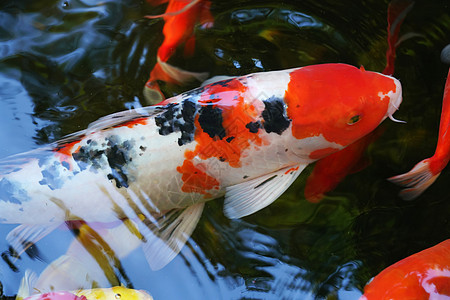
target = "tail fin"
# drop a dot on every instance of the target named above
(168, 73)
(415, 181)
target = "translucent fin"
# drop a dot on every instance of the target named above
(67, 272)
(180, 75)
(216, 79)
(164, 238)
(112, 120)
(152, 93)
(26, 284)
(24, 236)
(415, 181)
(248, 197)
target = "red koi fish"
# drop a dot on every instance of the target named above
(424, 275)
(180, 18)
(331, 170)
(246, 138)
(427, 171)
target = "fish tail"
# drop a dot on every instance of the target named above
(415, 181)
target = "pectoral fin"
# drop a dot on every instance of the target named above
(248, 197)
(164, 237)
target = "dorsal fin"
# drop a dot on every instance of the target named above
(113, 120)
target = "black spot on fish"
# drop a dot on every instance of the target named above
(229, 139)
(245, 177)
(178, 118)
(222, 159)
(165, 121)
(274, 115)
(187, 127)
(115, 154)
(265, 181)
(142, 148)
(117, 161)
(210, 119)
(253, 127)
(87, 156)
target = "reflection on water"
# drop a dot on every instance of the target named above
(64, 64)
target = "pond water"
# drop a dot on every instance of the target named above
(64, 64)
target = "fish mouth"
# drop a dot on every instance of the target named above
(395, 101)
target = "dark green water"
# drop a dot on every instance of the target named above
(63, 64)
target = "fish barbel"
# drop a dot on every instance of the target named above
(246, 138)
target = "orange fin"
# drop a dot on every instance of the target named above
(172, 13)
(181, 76)
(331, 170)
(189, 47)
(415, 181)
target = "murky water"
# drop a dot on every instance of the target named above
(64, 64)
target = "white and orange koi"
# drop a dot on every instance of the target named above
(246, 138)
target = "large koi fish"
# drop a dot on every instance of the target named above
(246, 138)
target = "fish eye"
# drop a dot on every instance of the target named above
(354, 119)
(118, 296)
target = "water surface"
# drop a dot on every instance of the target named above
(63, 64)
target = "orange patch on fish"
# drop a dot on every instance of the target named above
(226, 141)
(236, 114)
(196, 180)
(308, 99)
(291, 170)
(134, 122)
(64, 152)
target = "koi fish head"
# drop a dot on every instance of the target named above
(337, 104)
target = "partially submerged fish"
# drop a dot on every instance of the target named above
(246, 138)
(424, 275)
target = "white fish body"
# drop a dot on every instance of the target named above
(243, 138)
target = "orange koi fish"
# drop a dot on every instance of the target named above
(424, 275)
(246, 138)
(331, 170)
(427, 171)
(180, 18)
